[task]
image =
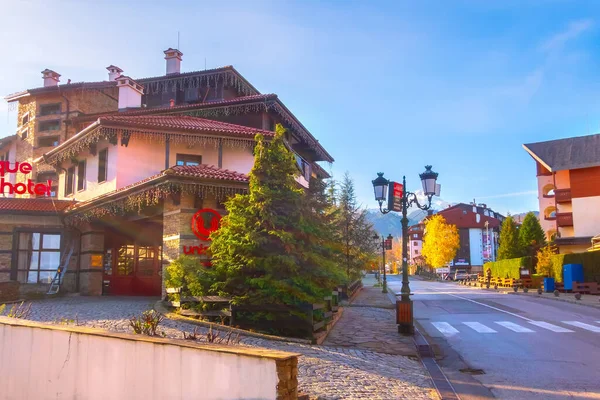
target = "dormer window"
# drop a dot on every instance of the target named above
(188, 159)
(49, 109)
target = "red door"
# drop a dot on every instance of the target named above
(135, 270)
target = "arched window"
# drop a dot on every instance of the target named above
(548, 190)
(550, 213)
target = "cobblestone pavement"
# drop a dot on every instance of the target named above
(324, 372)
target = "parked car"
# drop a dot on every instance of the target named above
(461, 274)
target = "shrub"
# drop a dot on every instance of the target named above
(544, 261)
(147, 323)
(20, 311)
(590, 261)
(188, 273)
(509, 268)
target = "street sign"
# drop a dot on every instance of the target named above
(444, 270)
(388, 244)
(395, 196)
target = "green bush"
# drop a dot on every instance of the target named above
(188, 273)
(509, 268)
(590, 261)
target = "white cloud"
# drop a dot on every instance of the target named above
(557, 41)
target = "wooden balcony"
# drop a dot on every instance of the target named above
(564, 219)
(563, 195)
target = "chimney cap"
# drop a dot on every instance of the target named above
(124, 80)
(114, 68)
(48, 73)
(171, 53)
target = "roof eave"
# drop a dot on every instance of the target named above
(537, 158)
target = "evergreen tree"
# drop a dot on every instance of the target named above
(509, 240)
(356, 234)
(531, 235)
(265, 251)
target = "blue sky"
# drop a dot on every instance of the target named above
(385, 86)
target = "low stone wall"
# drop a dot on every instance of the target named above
(41, 361)
(9, 291)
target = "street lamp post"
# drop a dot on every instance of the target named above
(404, 308)
(385, 244)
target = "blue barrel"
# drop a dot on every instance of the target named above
(572, 273)
(548, 285)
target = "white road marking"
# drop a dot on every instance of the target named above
(582, 325)
(514, 327)
(445, 328)
(479, 327)
(553, 328)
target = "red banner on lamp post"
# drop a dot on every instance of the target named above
(395, 196)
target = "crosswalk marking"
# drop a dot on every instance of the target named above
(514, 327)
(583, 325)
(445, 328)
(553, 328)
(478, 327)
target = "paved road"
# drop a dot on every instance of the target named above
(528, 348)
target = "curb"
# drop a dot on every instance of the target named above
(554, 298)
(159, 307)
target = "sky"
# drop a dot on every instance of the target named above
(386, 86)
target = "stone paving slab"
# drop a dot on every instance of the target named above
(324, 372)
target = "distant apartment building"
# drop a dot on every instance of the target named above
(568, 175)
(415, 243)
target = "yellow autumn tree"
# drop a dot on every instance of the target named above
(440, 242)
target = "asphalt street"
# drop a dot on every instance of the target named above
(507, 346)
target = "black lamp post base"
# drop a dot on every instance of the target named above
(406, 329)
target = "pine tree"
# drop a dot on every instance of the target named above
(264, 252)
(531, 235)
(509, 240)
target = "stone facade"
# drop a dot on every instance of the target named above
(72, 103)
(287, 372)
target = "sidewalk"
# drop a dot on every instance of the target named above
(369, 323)
(586, 299)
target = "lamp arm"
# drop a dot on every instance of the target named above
(382, 209)
(411, 198)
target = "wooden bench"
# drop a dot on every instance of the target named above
(214, 300)
(586, 288)
(524, 283)
(508, 282)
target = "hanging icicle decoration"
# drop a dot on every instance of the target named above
(175, 83)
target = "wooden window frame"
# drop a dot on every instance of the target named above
(57, 141)
(70, 181)
(28, 253)
(102, 165)
(41, 123)
(81, 170)
(187, 158)
(50, 105)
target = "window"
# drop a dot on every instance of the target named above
(38, 257)
(416, 235)
(188, 159)
(44, 178)
(69, 181)
(50, 109)
(415, 243)
(25, 119)
(102, 165)
(48, 141)
(81, 175)
(416, 251)
(125, 260)
(4, 156)
(25, 133)
(53, 125)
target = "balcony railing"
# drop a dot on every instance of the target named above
(563, 195)
(564, 219)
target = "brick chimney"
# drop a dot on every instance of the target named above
(173, 57)
(113, 72)
(51, 78)
(130, 93)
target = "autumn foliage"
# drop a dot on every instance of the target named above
(441, 241)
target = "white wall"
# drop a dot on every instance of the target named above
(239, 159)
(586, 216)
(92, 187)
(58, 362)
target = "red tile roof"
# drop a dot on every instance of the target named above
(7, 140)
(42, 205)
(207, 172)
(180, 122)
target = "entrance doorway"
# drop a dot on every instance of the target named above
(133, 262)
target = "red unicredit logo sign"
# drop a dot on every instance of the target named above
(30, 187)
(204, 222)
